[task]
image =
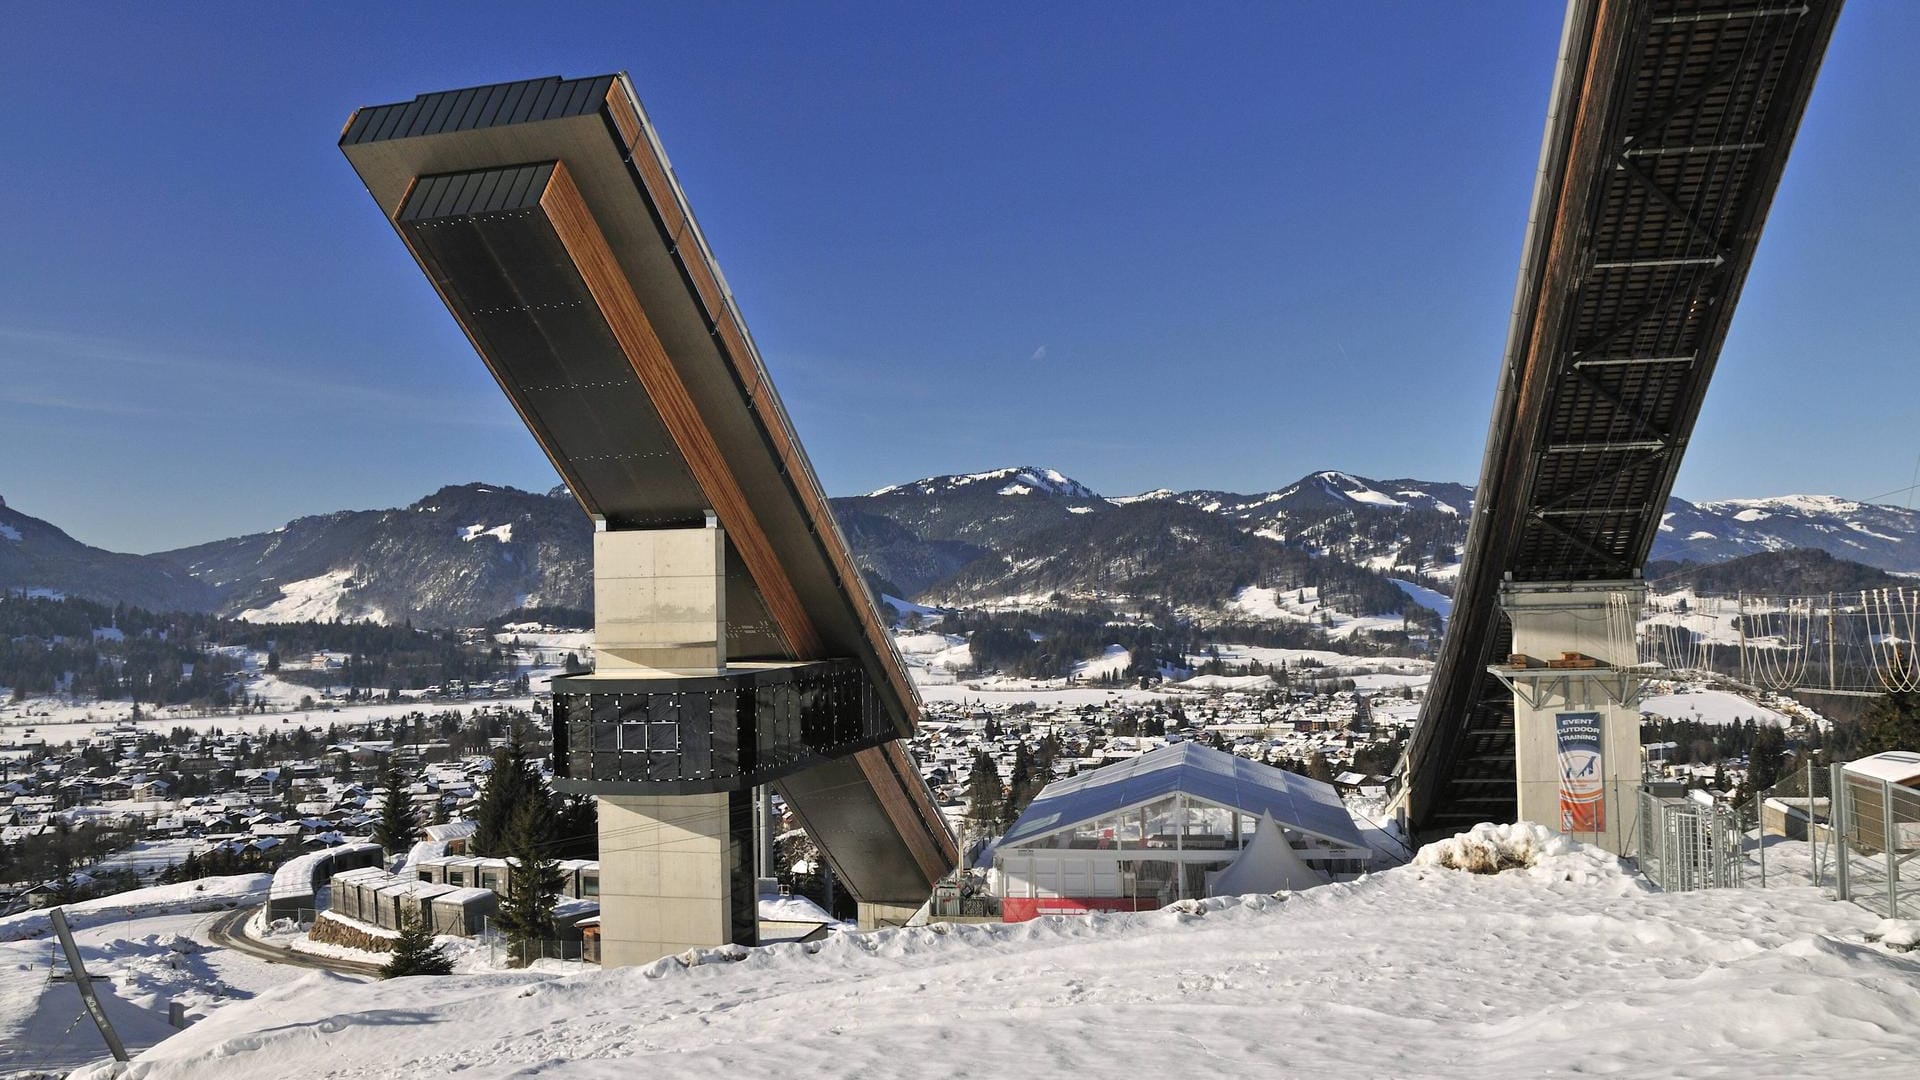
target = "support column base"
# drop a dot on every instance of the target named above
(880, 915)
(676, 874)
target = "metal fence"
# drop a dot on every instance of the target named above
(1877, 837)
(503, 951)
(1686, 844)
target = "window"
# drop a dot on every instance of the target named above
(589, 885)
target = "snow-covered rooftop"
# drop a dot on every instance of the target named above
(1200, 771)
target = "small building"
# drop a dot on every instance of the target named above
(353, 892)
(1167, 826)
(1881, 802)
(402, 901)
(297, 880)
(580, 879)
(463, 911)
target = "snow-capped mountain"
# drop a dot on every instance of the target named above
(1021, 480)
(469, 553)
(1884, 536)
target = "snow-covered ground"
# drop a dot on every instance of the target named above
(148, 857)
(1111, 662)
(1305, 606)
(933, 658)
(1710, 707)
(1438, 602)
(1568, 967)
(57, 722)
(145, 949)
(315, 599)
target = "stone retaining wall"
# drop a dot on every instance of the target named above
(333, 930)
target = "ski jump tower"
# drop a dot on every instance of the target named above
(736, 643)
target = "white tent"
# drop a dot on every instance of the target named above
(1267, 864)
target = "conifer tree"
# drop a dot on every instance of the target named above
(533, 882)
(984, 793)
(415, 953)
(399, 824)
(511, 782)
(1892, 722)
(1019, 786)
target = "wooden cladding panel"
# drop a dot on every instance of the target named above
(588, 249)
(625, 120)
(745, 360)
(890, 772)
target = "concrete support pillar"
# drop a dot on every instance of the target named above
(1577, 729)
(676, 873)
(659, 600)
(881, 915)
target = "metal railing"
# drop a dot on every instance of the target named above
(504, 951)
(1877, 839)
(1686, 844)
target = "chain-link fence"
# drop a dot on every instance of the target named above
(1790, 831)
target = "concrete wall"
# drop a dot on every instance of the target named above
(659, 599)
(1549, 620)
(666, 875)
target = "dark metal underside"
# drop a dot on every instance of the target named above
(1672, 130)
(695, 735)
(460, 175)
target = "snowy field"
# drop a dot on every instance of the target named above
(1570, 967)
(1304, 606)
(1710, 707)
(145, 949)
(69, 723)
(1438, 602)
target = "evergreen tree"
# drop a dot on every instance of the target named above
(399, 824)
(1892, 722)
(512, 782)
(414, 952)
(533, 882)
(1019, 787)
(984, 793)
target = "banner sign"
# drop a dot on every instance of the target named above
(1582, 783)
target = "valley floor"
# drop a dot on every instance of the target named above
(1569, 967)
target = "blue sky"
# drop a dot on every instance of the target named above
(1170, 245)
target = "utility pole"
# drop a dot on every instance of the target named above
(85, 982)
(1833, 670)
(1740, 620)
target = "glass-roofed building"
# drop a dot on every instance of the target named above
(1140, 835)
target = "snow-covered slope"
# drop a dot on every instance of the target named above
(1018, 480)
(145, 949)
(1569, 967)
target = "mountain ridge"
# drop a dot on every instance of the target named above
(468, 552)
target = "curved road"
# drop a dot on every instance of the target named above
(229, 931)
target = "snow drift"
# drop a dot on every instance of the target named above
(1424, 971)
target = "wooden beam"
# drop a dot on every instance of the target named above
(886, 767)
(587, 246)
